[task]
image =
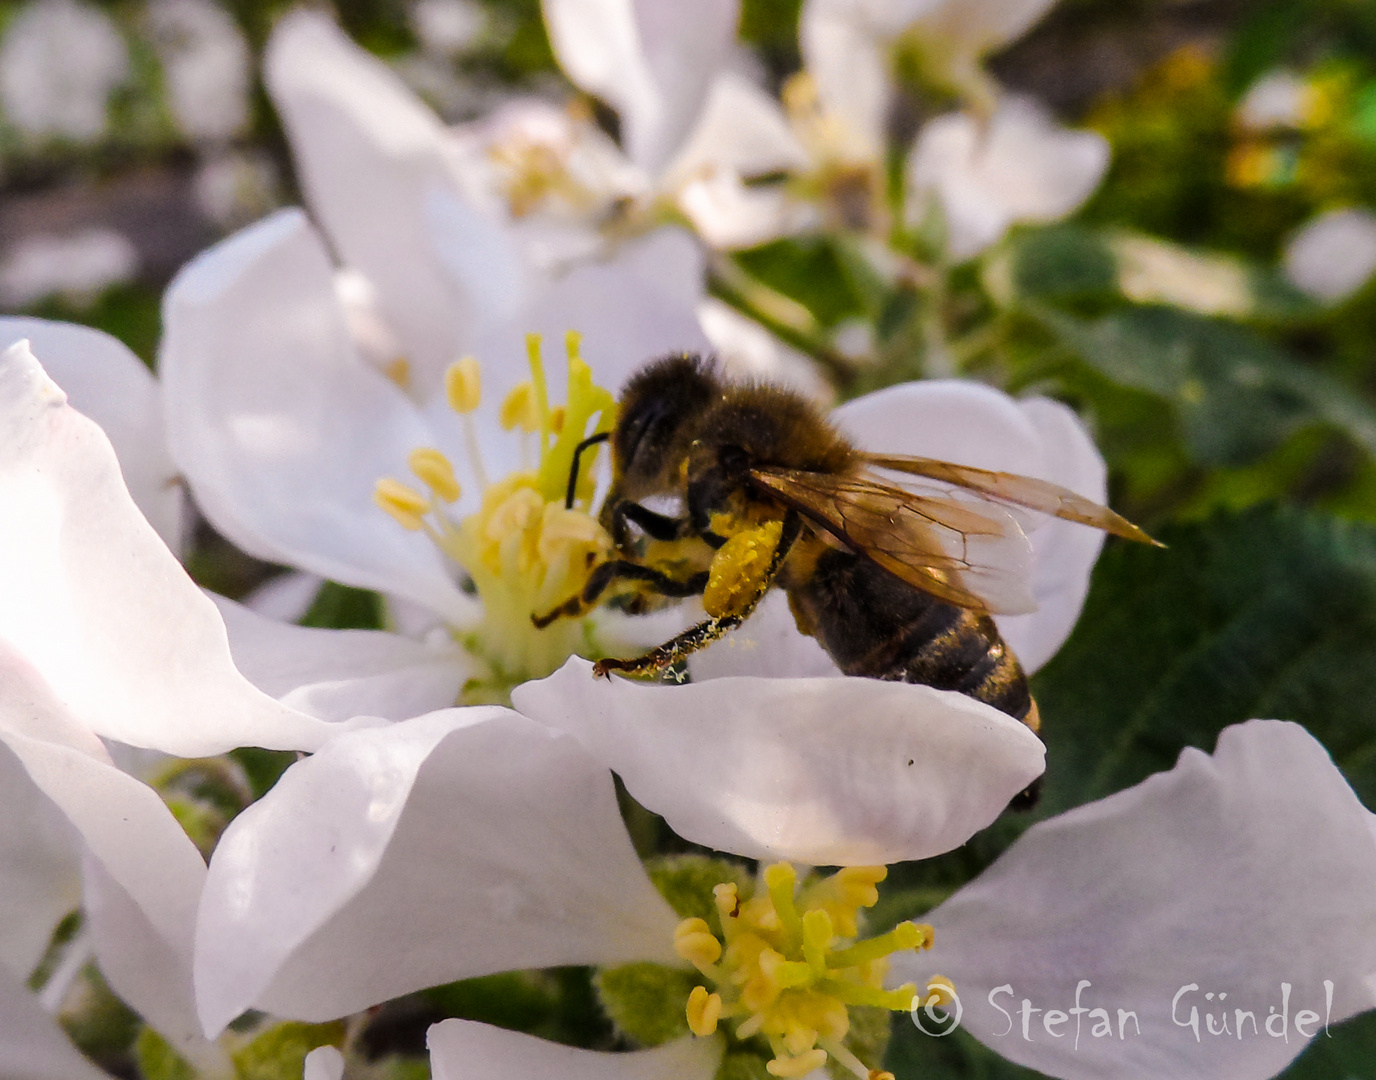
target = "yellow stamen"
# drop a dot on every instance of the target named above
(780, 879)
(704, 1010)
(942, 992)
(556, 419)
(463, 385)
(797, 1066)
(435, 471)
(407, 505)
(399, 371)
(519, 409)
(537, 371)
(694, 941)
(789, 974)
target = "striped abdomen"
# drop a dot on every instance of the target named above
(873, 624)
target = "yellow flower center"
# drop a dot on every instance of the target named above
(522, 550)
(788, 967)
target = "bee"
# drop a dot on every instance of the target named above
(894, 584)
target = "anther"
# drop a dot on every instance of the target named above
(695, 942)
(399, 371)
(407, 505)
(518, 410)
(435, 471)
(463, 385)
(704, 1010)
(941, 992)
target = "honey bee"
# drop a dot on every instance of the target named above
(894, 584)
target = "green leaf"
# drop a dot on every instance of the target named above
(1346, 1056)
(957, 1056)
(1266, 614)
(340, 607)
(1235, 395)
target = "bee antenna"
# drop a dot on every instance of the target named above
(591, 440)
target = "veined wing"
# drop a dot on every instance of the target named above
(1026, 491)
(976, 557)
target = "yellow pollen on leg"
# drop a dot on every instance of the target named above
(787, 967)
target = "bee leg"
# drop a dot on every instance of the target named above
(739, 603)
(620, 569)
(655, 526)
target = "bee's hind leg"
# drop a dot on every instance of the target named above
(734, 589)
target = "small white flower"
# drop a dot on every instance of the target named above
(206, 64)
(846, 46)
(1334, 255)
(1019, 165)
(447, 27)
(58, 64)
(78, 266)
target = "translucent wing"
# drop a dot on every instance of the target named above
(974, 556)
(1021, 490)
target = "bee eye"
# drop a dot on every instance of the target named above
(641, 434)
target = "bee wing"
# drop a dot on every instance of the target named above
(1021, 490)
(976, 557)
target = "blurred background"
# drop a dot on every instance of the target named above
(134, 134)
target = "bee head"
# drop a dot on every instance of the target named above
(660, 409)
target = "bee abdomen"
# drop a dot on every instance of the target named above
(876, 626)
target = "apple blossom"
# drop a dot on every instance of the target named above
(103, 637)
(471, 841)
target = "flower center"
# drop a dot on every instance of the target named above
(523, 551)
(788, 967)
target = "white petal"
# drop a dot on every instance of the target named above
(106, 381)
(975, 27)
(729, 214)
(1237, 874)
(32, 1046)
(637, 305)
(1064, 552)
(371, 156)
(823, 771)
(1022, 166)
(465, 1050)
(453, 845)
(652, 61)
(324, 1063)
(741, 129)
(1334, 255)
(749, 351)
(280, 427)
(844, 50)
(336, 674)
(148, 973)
(287, 597)
(93, 599)
(40, 872)
(768, 645)
(972, 424)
